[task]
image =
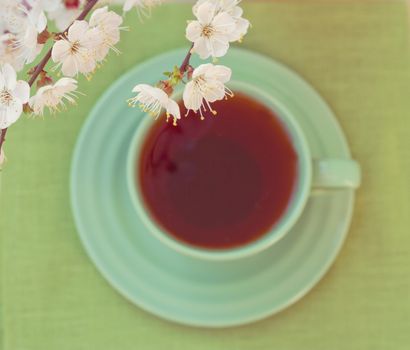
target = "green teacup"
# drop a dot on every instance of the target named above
(325, 174)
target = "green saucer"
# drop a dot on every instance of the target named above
(177, 287)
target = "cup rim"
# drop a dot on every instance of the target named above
(295, 206)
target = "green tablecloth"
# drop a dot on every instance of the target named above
(357, 55)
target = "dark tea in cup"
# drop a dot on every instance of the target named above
(222, 182)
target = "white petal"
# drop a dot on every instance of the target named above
(101, 52)
(77, 31)
(32, 54)
(202, 47)
(128, 5)
(228, 5)
(215, 91)
(29, 36)
(66, 82)
(32, 99)
(205, 12)
(111, 20)
(60, 50)
(96, 15)
(36, 104)
(202, 70)
(236, 12)
(221, 73)
(86, 64)
(141, 87)
(50, 5)
(113, 36)
(22, 91)
(63, 88)
(172, 108)
(193, 31)
(148, 92)
(160, 95)
(9, 76)
(91, 38)
(224, 23)
(242, 26)
(115, 19)
(2, 80)
(13, 112)
(70, 66)
(41, 22)
(199, 3)
(3, 118)
(102, 17)
(219, 46)
(42, 90)
(192, 98)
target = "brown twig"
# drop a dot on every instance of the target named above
(2, 137)
(185, 62)
(39, 68)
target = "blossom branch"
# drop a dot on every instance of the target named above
(40, 67)
(218, 23)
(83, 45)
(185, 62)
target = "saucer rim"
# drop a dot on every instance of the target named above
(96, 260)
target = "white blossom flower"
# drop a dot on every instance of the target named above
(65, 12)
(143, 6)
(75, 52)
(36, 18)
(12, 16)
(25, 41)
(207, 86)
(212, 31)
(153, 100)
(13, 94)
(8, 53)
(108, 24)
(52, 96)
(232, 8)
(21, 23)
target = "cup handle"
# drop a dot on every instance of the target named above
(336, 173)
